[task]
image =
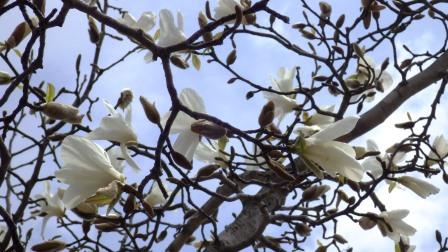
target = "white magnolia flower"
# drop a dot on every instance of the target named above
(209, 152)
(50, 205)
(226, 8)
(145, 23)
(372, 164)
(155, 196)
(170, 32)
(117, 128)
(187, 141)
(368, 72)
(396, 226)
(316, 122)
(86, 169)
(420, 187)
(283, 103)
(116, 158)
(332, 156)
(440, 146)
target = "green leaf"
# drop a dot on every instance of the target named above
(50, 93)
(196, 62)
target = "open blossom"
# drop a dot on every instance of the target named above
(332, 156)
(420, 187)
(50, 205)
(283, 103)
(372, 164)
(155, 196)
(367, 73)
(145, 23)
(316, 122)
(439, 149)
(209, 152)
(397, 227)
(171, 33)
(187, 141)
(117, 128)
(86, 168)
(226, 8)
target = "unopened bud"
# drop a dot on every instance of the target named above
(250, 18)
(181, 160)
(150, 110)
(126, 97)
(302, 229)
(161, 236)
(208, 129)
(179, 62)
(49, 246)
(111, 218)
(129, 205)
(86, 211)
(231, 58)
(86, 227)
(267, 114)
(202, 20)
(280, 170)
(106, 227)
(366, 223)
(207, 170)
(63, 112)
(5, 78)
(339, 238)
(148, 209)
(325, 9)
(405, 125)
(94, 33)
(314, 192)
(20, 33)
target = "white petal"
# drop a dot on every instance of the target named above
(149, 57)
(128, 158)
(206, 153)
(420, 187)
(337, 129)
(76, 194)
(182, 123)
(146, 21)
(335, 160)
(371, 164)
(189, 98)
(116, 158)
(319, 119)
(186, 144)
(129, 20)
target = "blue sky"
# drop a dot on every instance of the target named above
(258, 60)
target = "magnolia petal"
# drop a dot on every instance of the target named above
(149, 57)
(189, 98)
(182, 123)
(146, 21)
(186, 144)
(116, 158)
(418, 186)
(128, 158)
(372, 146)
(76, 195)
(320, 119)
(372, 165)
(337, 129)
(335, 160)
(207, 153)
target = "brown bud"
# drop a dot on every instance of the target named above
(86, 211)
(20, 33)
(445, 178)
(359, 52)
(86, 227)
(231, 58)
(129, 205)
(150, 110)
(179, 62)
(207, 170)
(405, 63)
(111, 218)
(307, 34)
(40, 4)
(340, 239)
(202, 20)
(126, 97)
(302, 229)
(181, 160)
(250, 18)
(385, 64)
(314, 192)
(325, 9)
(320, 78)
(366, 223)
(63, 112)
(299, 26)
(267, 114)
(340, 21)
(405, 125)
(280, 170)
(161, 236)
(49, 246)
(106, 227)
(5, 78)
(275, 154)
(208, 129)
(148, 209)
(94, 33)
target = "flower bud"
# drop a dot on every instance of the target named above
(366, 223)
(86, 211)
(181, 160)
(302, 229)
(325, 9)
(208, 129)
(179, 62)
(279, 169)
(94, 33)
(202, 20)
(314, 192)
(267, 114)
(207, 170)
(126, 97)
(5, 78)
(150, 110)
(63, 112)
(231, 58)
(106, 227)
(20, 33)
(49, 246)
(111, 218)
